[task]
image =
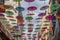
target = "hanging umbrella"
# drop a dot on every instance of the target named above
(20, 9)
(8, 7)
(13, 23)
(30, 24)
(9, 13)
(29, 0)
(38, 18)
(38, 25)
(30, 14)
(29, 18)
(3, 19)
(12, 19)
(41, 14)
(49, 17)
(46, 24)
(30, 30)
(2, 15)
(31, 8)
(44, 28)
(15, 27)
(10, 16)
(17, 0)
(22, 24)
(23, 33)
(20, 19)
(44, 7)
(2, 10)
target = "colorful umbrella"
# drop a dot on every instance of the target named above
(41, 14)
(30, 24)
(9, 13)
(31, 8)
(15, 27)
(17, 0)
(12, 19)
(13, 23)
(3, 19)
(20, 9)
(49, 17)
(29, 18)
(20, 19)
(30, 14)
(29, 0)
(22, 24)
(2, 15)
(30, 30)
(44, 7)
(10, 16)
(2, 10)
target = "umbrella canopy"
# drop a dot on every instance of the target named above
(44, 7)
(2, 10)
(29, 0)
(6, 6)
(49, 17)
(20, 19)
(9, 13)
(30, 24)
(2, 15)
(3, 19)
(17, 0)
(12, 19)
(10, 16)
(22, 24)
(29, 18)
(42, 14)
(30, 14)
(20, 9)
(31, 8)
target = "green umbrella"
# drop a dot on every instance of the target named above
(3, 18)
(29, 18)
(9, 13)
(17, 0)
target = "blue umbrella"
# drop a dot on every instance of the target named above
(20, 9)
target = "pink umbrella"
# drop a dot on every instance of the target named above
(31, 8)
(29, 0)
(49, 17)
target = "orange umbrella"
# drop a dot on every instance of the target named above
(6, 6)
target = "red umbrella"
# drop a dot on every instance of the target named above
(2, 10)
(30, 24)
(31, 8)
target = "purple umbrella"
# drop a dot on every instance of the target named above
(42, 14)
(29, 0)
(15, 26)
(31, 8)
(2, 15)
